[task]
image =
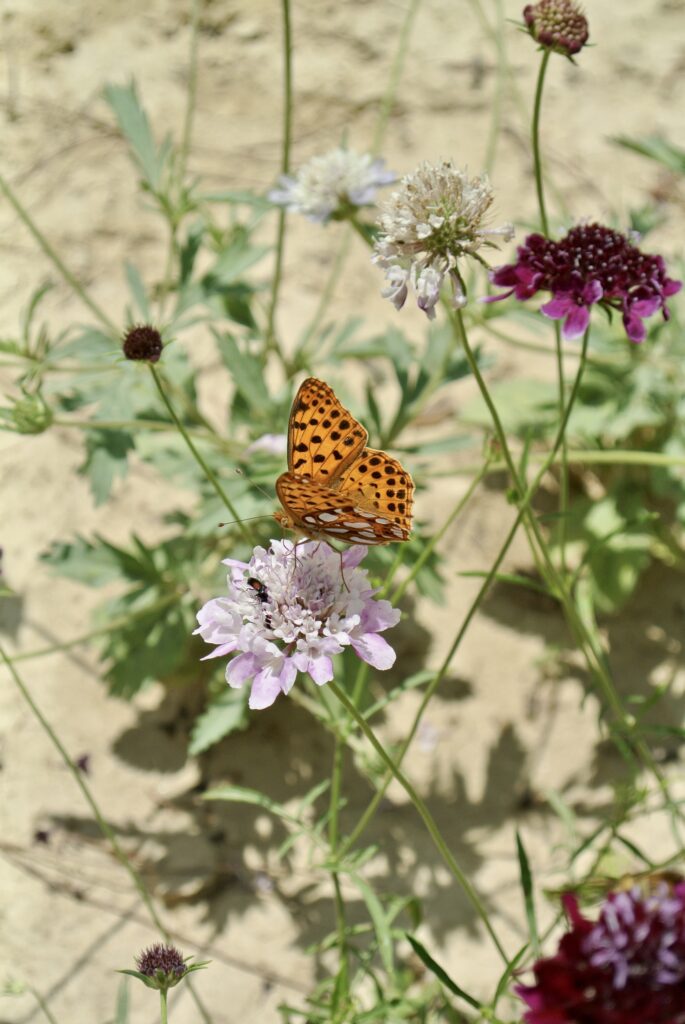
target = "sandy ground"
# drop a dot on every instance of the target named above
(500, 727)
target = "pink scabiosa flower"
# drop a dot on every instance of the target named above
(557, 25)
(289, 610)
(626, 968)
(591, 265)
(436, 216)
(330, 186)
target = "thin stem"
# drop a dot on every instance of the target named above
(333, 841)
(396, 70)
(186, 137)
(111, 627)
(500, 90)
(539, 186)
(209, 473)
(428, 549)
(104, 826)
(162, 1006)
(424, 813)
(537, 162)
(57, 260)
(285, 167)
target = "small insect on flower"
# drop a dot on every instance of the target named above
(436, 216)
(335, 487)
(333, 185)
(307, 611)
(591, 265)
(628, 967)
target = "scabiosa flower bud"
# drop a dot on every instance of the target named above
(591, 265)
(626, 968)
(557, 25)
(162, 966)
(332, 185)
(289, 610)
(435, 217)
(28, 415)
(143, 342)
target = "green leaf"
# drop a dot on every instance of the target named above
(380, 922)
(121, 1007)
(226, 714)
(440, 973)
(149, 648)
(135, 283)
(83, 561)
(523, 405)
(150, 982)
(135, 127)
(528, 897)
(106, 461)
(655, 147)
(235, 260)
(246, 371)
(503, 982)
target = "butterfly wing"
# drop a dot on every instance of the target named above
(321, 512)
(323, 437)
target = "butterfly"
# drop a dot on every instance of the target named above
(336, 487)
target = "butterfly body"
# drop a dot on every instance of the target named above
(335, 487)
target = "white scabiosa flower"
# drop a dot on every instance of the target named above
(436, 216)
(330, 186)
(289, 610)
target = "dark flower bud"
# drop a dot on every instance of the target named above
(162, 966)
(557, 25)
(143, 342)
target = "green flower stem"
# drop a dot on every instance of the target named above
(624, 726)
(191, 98)
(104, 826)
(537, 162)
(539, 187)
(399, 591)
(209, 473)
(111, 627)
(285, 167)
(342, 988)
(162, 1006)
(57, 260)
(424, 813)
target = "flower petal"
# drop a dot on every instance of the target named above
(241, 669)
(320, 669)
(576, 323)
(374, 650)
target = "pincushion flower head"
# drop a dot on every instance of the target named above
(591, 265)
(332, 185)
(626, 968)
(289, 610)
(557, 25)
(435, 217)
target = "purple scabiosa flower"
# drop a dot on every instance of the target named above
(162, 966)
(626, 968)
(591, 265)
(329, 185)
(558, 25)
(289, 610)
(272, 444)
(436, 216)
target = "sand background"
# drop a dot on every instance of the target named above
(501, 727)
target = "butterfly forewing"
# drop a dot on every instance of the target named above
(323, 437)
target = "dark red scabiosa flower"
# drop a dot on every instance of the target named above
(591, 265)
(626, 968)
(558, 25)
(143, 342)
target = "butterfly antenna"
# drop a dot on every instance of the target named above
(257, 487)
(248, 519)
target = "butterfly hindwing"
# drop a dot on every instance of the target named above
(323, 437)
(319, 511)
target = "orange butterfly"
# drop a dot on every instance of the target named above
(336, 487)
